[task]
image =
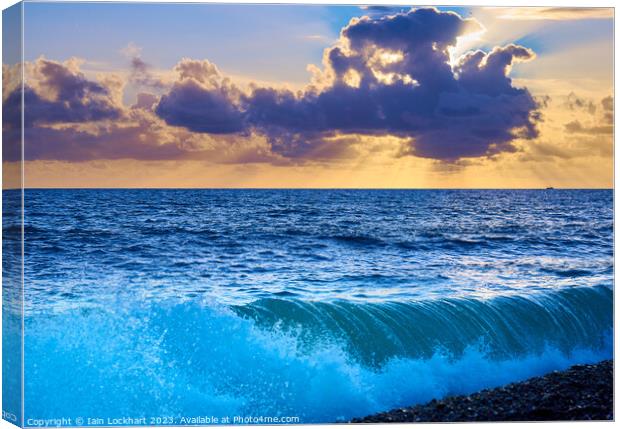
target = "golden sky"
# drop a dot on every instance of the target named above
(359, 97)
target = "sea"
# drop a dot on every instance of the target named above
(304, 306)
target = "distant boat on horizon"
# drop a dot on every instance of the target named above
(549, 188)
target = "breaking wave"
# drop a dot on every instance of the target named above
(320, 361)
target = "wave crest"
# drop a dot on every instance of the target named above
(320, 361)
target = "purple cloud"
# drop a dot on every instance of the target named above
(389, 75)
(202, 100)
(190, 105)
(71, 98)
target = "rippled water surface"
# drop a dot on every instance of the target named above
(321, 304)
(240, 245)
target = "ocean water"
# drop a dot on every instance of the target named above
(322, 305)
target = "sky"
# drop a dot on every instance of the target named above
(312, 96)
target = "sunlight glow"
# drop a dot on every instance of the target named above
(352, 78)
(463, 44)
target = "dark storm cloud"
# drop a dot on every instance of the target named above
(40, 111)
(59, 104)
(201, 101)
(71, 118)
(204, 111)
(389, 76)
(70, 98)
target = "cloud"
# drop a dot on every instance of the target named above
(596, 146)
(145, 100)
(11, 79)
(575, 103)
(576, 127)
(585, 131)
(141, 74)
(201, 100)
(599, 122)
(319, 38)
(136, 135)
(113, 142)
(62, 94)
(140, 136)
(386, 76)
(608, 110)
(55, 93)
(140, 71)
(131, 50)
(72, 118)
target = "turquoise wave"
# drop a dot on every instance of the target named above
(319, 361)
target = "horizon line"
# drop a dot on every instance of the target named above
(314, 188)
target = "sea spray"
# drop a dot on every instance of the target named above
(182, 359)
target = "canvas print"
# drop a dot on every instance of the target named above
(222, 214)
